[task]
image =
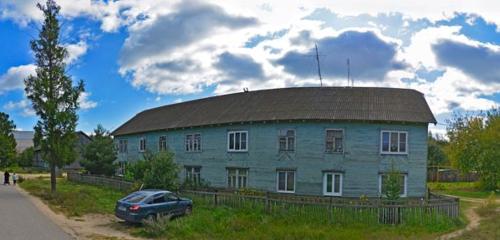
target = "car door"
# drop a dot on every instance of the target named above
(157, 204)
(173, 205)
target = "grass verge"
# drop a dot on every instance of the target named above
(208, 222)
(461, 189)
(73, 199)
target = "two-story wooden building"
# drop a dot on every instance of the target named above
(337, 141)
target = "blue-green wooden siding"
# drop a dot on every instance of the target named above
(361, 162)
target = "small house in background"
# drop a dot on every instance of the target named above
(24, 140)
(82, 140)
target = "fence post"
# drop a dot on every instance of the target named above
(267, 202)
(330, 210)
(215, 197)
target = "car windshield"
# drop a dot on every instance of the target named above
(135, 197)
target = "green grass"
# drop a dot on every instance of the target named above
(208, 222)
(461, 189)
(23, 170)
(74, 199)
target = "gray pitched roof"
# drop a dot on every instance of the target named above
(304, 103)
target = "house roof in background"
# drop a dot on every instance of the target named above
(24, 139)
(304, 103)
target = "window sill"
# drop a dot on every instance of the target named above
(328, 152)
(237, 151)
(332, 194)
(288, 192)
(394, 153)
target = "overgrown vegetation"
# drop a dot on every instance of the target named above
(208, 222)
(99, 155)
(74, 199)
(157, 170)
(475, 145)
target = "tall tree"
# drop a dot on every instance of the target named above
(7, 141)
(53, 96)
(475, 146)
(435, 151)
(100, 154)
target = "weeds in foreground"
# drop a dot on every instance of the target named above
(208, 222)
(156, 227)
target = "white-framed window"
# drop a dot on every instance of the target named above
(122, 145)
(285, 181)
(237, 141)
(162, 143)
(393, 142)
(237, 177)
(332, 183)
(121, 168)
(193, 174)
(382, 184)
(142, 144)
(286, 140)
(193, 142)
(334, 141)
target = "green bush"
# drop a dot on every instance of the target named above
(157, 170)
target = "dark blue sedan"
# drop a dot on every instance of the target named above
(150, 205)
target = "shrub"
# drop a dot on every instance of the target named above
(393, 184)
(155, 171)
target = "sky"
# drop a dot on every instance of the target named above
(138, 54)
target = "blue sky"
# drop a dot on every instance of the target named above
(134, 55)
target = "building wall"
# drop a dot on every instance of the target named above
(360, 163)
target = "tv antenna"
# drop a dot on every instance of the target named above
(319, 68)
(349, 80)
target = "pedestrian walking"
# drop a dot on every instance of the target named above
(6, 177)
(14, 178)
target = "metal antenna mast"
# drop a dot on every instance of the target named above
(348, 71)
(319, 68)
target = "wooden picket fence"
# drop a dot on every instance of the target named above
(340, 210)
(100, 181)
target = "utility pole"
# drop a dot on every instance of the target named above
(319, 68)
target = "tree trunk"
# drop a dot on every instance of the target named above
(52, 178)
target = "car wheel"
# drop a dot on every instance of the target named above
(188, 210)
(150, 218)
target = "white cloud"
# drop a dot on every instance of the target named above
(75, 51)
(14, 77)
(84, 101)
(24, 106)
(174, 47)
